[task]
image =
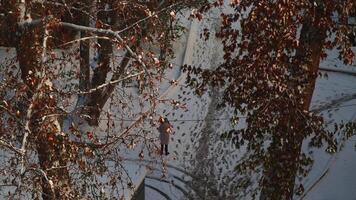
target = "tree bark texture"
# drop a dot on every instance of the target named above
(281, 170)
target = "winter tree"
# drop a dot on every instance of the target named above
(272, 51)
(70, 60)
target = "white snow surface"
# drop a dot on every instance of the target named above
(332, 175)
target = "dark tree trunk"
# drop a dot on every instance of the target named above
(7, 21)
(105, 50)
(84, 76)
(95, 101)
(281, 169)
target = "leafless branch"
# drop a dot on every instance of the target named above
(84, 38)
(11, 114)
(9, 146)
(106, 32)
(111, 83)
(148, 17)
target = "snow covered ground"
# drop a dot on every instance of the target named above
(196, 143)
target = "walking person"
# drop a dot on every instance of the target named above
(165, 129)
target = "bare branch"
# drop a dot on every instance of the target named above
(11, 114)
(84, 38)
(111, 83)
(148, 17)
(27, 132)
(106, 32)
(9, 146)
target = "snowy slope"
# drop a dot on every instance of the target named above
(331, 176)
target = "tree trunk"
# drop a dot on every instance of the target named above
(94, 102)
(281, 170)
(51, 145)
(84, 46)
(105, 51)
(7, 20)
(44, 132)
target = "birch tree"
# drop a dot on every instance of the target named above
(54, 91)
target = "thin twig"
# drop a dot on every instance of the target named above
(107, 32)
(11, 114)
(84, 38)
(148, 17)
(111, 83)
(9, 146)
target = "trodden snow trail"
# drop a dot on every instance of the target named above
(204, 163)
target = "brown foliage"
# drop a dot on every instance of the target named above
(49, 155)
(272, 51)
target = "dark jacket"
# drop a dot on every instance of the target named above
(164, 131)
